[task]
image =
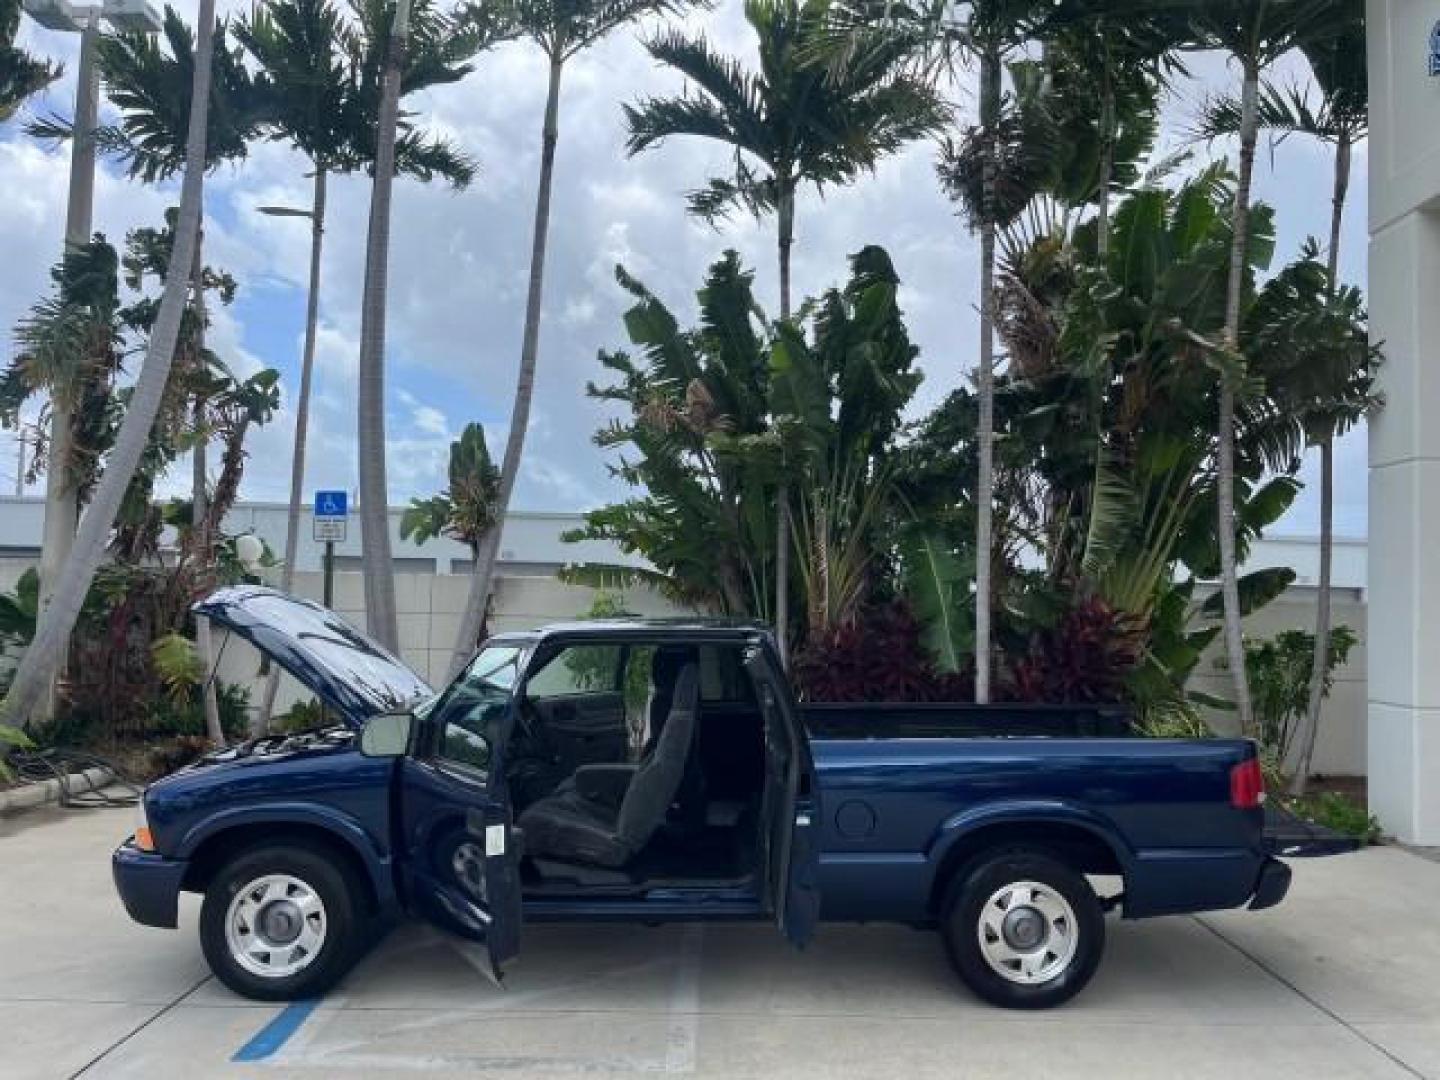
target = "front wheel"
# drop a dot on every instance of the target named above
(1023, 929)
(280, 923)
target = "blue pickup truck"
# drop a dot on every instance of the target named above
(655, 771)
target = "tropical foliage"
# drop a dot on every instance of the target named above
(719, 416)
(1105, 482)
(1148, 379)
(21, 75)
(466, 509)
(1279, 672)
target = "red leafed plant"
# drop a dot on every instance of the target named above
(1084, 659)
(878, 657)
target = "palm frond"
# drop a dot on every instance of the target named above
(427, 157)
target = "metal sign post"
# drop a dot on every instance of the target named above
(329, 524)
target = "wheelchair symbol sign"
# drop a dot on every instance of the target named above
(331, 504)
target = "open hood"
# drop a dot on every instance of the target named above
(350, 672)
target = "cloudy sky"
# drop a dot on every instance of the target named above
(459, 263)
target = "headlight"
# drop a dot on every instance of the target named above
(143, 840)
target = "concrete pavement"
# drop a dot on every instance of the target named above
(1342, 980)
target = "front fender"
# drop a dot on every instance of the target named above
(341, 826)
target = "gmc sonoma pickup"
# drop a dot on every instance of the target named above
(656, 771)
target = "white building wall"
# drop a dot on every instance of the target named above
(1403, 727)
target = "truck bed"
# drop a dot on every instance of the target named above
(898, 782)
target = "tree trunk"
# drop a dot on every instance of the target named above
(1320, 659)
(786, 240)
(482, 575)
(199, 502)
(1225, 427)
(1107, 166)
(785, 219)
(985, 482)
(302, 429)
(42, 659)
(380, 615)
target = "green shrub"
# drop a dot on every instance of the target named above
(1339, 812)
(1172, 719)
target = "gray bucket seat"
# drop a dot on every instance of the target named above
(580, 823)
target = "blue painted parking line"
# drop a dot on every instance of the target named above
(277, 1032)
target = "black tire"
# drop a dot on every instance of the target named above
(343, 918)
(966, 902)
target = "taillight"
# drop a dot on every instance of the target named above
(1247, 785)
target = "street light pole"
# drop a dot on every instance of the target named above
(80, 209)
(316, 217)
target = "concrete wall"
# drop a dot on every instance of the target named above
(1340, 748)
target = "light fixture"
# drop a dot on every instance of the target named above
(53, 14)
(284, 211)
(249, 549)
(132, 16)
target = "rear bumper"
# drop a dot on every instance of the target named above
(1272, 885)
(148, 884)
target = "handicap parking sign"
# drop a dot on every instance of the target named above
(328, 525)
(330, 504)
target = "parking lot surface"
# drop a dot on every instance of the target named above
(1342, 980)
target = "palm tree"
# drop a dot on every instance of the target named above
(795, 121)
(477, 24)
(313, 61)
(1254, 34)
(21, 75)
(467, 510)
(70, 349)
(1340, 119)
(42, 659)
(152, 91)
(562, 29)
(151, 88)
(991, 32)
(1128, 52)
(380, 617)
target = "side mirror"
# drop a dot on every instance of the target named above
(386, 735)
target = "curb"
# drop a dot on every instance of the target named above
(27, 796)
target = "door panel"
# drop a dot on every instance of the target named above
(791, 805)
(460, 863)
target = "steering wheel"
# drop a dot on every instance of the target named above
(533, 761)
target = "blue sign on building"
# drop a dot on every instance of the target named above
(331, 504)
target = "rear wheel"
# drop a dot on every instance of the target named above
(1023, 929)
(280, 923)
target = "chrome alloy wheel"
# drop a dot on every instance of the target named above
(1028, 933)
(468, 865)
(275, 926)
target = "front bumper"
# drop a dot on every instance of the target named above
(148, 884)
(1272, 885)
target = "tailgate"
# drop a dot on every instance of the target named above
(1291, 837)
